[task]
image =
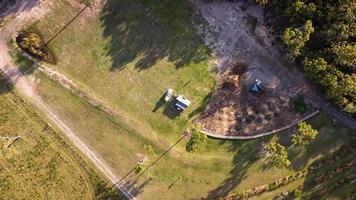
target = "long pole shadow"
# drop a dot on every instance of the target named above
(159, 158)
(153, 163)
(74, 18)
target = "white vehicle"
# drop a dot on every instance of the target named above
(182, 103)
(169, 94)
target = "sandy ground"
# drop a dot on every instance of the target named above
(243, 51)
(26, 12)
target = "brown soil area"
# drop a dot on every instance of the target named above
(234, 110)
(243, 51)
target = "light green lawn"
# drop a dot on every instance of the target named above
(97, 61)
(127, 57)
(232, 165)
(40, 165)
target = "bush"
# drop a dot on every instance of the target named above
(305, 134)
(278, 154)
(299, 105)
(140, 168)
(33, 43)
(196, 139)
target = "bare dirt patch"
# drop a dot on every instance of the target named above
(95, 8)
(243, 51)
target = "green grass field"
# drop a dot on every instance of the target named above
(219, 168)
(40, 165)
(127, 57)
(130, 62)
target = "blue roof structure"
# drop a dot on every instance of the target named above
(257, 86)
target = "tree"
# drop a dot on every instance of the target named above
(305, 134)
(33, 43)
(262, 2)
(332, 46)
(348, 87)
(301, 10)
(315, 68)
(278, 154)
(196, 139)
(345, 54)
(295, 38)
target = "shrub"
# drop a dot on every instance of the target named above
(278, 154)
(196, 139)
(140, 168)
(298, 193)
(33, 43)
(299, 105)
(304, 135)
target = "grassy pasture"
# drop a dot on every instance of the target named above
(41, 165)
(219, 168)
(128, 56)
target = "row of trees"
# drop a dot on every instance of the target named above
(321, 36)
(277, 152)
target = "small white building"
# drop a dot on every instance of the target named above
(182, 102)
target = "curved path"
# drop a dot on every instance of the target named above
(30, 11)
(235, 137)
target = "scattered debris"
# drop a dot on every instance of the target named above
(10, 141)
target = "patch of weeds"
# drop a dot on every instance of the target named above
(239, 68)
(268, 117)
(299, 105)
(251, 23)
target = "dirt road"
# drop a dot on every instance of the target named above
(28, 12)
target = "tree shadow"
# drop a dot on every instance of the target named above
(5, 86)
(246, 155)
(320, 184)
(202, 105)
(159, 103)
(136, 187)
(102, 192)
(302, 155)
(25, 65)
(145, 32)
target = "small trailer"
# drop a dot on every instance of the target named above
(169, 94)
(182, 103)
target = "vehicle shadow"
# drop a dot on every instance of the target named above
(170, 109)
(159, 103)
